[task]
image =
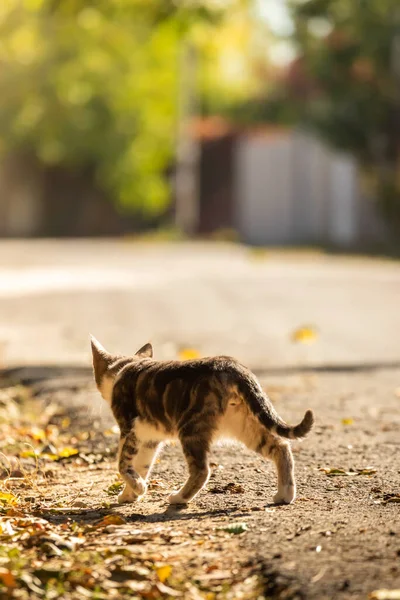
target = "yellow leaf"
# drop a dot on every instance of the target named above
(114, 488)
(188, 354)
(64, 453)
(65, 423)
(7, 577)
(304, 335)
(6, 527)
(29, 453)
(7, 499)
(67, 452)
(37, 434)
(348, 421)
(164, 572)
(110, 520)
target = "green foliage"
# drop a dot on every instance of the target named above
(87, 83)
(350, 83)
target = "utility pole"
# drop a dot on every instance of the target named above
(188, 149)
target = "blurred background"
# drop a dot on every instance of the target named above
(268, 121)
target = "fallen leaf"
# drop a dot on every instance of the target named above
(65, 423)
(7, 577)
(29, 453)
(366, 471)
(114, 488)
(164, 572)
(385, 595)
(234, 488)
(110, 520)
(335, 472)
(188, 354)
(348, 421)
(391, 498)
(304, 335)
(8, 499)
(62, 454)
(6, 527)
(235, 528)
(167, 591)
(230, 488)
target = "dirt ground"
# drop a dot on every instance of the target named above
(62, 535)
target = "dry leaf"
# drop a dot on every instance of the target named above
(366, 471)
(7, 577)
(341, 472)
(164, 572)
(114, 488)
(336, 472)
(304, 335)
(235, 528)
(110, 520)
(348, 421)
(385, 595)
(167, 591)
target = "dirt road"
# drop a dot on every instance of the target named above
(220, 299)
(341, 538)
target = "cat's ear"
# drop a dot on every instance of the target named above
(101, 359)
(145, 351)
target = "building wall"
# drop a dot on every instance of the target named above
(292, 189)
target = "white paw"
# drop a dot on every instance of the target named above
(125, 497)
(176, 499)
(131, 495)
(140, 487)
(286, 495)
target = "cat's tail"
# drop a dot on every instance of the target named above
(261, 407)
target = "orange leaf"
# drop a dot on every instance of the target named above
(7, 577)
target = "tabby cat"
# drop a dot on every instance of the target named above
(196, 401)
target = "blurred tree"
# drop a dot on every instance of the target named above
(93, 83)
(346, 84)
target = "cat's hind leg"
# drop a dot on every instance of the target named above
(280, 452)
(196, 453)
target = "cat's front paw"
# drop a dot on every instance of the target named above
(176, 498)
(131, 495)
(286, 495)
(127, 495)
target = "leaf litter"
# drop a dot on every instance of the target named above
(58, 541)
(338, 472)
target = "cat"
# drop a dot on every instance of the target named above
(196, 401)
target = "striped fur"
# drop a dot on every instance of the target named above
(196, 402)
